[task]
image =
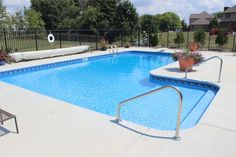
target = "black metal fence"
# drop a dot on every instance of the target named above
(33, 40)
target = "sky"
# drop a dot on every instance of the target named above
(183, 8)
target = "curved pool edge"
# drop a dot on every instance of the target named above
(209, 85)
(204, 103)
(85, 59)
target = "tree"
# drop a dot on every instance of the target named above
(199, 36)
(184, 25)
(126, 16)
(107, 12)
(149, 23)
(221, 38)
(169, 21)
(214, 23)
(217, 15)
(154, 40)
(18, 21)
(89, 19)
(179, 38)
(33, 19)
(4, 17)
(54, 12)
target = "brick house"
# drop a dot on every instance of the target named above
(200, 21)
(228, 19)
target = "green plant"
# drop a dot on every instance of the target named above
(127, 45)
(103, 44)
(154, 40)
(196, 55)
(179, 38)
(199, 36)
(221, 38)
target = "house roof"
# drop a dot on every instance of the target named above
(230, 10)
(203, 14)
(201, 21)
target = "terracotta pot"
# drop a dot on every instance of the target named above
(193, 46)
(184, 63)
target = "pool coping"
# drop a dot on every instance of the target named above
(214, 136)
(189, 83)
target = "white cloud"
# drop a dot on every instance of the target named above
(181, 7)
(211, 5)
(15, 5)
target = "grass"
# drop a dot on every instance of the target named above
(172, 35)
(28, 43)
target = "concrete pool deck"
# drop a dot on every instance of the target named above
(50, 127)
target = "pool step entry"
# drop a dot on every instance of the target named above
(112, 48)
(122, 103)
(217, 57)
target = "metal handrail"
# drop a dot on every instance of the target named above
(221, 64)
(112, 48)
(115, 48)
(177, 137)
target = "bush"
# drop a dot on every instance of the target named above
(154, 40)
(221, 38)
(103, 44)
(199, 36)
(179, 38)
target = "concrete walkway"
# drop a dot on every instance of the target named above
(53, 128)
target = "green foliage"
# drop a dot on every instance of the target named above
(169, 21)
(89, 19)
(56, 12)
(5, 20)
(18, 20)
(33, 19)
(87, 14)
(199, 36)
(184, 25)
(149, 23)
(179, 38)
(126, 16)
(154, 40)
(214, 24)
(221, 38)
(217, 15)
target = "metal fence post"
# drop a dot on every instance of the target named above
(233, 48)
(96, 39)
(5, 39)
(187, 35)
(149, 36)
(167, 41)
(209, 41)
(79, 39)
(125, 36)
(35, 38)
(59, 35)
(122, 39)
(138, 36)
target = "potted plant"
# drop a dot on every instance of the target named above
(3, 57)
(127, 45)
(103, 44)
(187, 58)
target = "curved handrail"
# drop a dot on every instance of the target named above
(177, 137)
(112, 48)
(115, 48)
(221, 64)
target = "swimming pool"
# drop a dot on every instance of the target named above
(100, 83)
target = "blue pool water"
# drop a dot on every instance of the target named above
(101, 83)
